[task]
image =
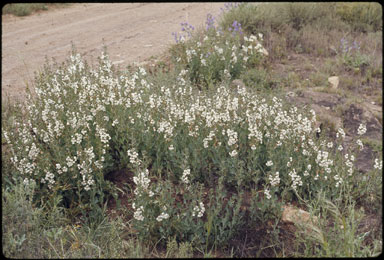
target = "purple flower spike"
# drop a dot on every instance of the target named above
(210, 22)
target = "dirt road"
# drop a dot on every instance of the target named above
(132, 32)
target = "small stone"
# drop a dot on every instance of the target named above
(334, 81)
(293, 215)
(117, 62)
(333, 50)
(291, 94)
(296, 216)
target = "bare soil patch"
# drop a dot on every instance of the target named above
(132, 32)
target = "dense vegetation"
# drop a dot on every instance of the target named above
(179, 160)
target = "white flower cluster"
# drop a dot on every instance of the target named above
(138, 214)
(70, 161)
(133, 157)
(289, 162)
(360, 144)
(162, 216)
(362, 129)
(226, 73)
(180, 78)
(104, 136)
(338, 180)
(189, 53)
(232, 135)
(50, 178)
(198, 210)
(233, 153)
(323, 161)
(259, 48)
(185, 176)
(165, 113)
(219, 50)
(208, 138)
(349, 163)
(70, 106)
(267, 194)
(166, 128)
(274, 179)
(142, 183)
(251, 46)
(341, 132)
(296, 179)
(29, 182)
(378, 164)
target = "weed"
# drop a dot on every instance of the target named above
(25, 9)
(341, 238)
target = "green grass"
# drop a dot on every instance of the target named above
(337, 233)
(307, 43)
(46, 232)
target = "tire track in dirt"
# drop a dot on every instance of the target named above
(132, 32)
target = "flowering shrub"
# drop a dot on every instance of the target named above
(218, 54)
(162, 209)
(177, 140)
(63, 143)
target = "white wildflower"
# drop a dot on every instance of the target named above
(360, 144)
(289, 162)
(133, 157)
(142, 181)
(267, 194)
(162, 216)
(115, 122)
(232, 137)
(269, 163)
(198, 210)
(378, 164)
(186, 173)
(233, 153)
(296, 179)
(362, 129)
(274, 179)
(138, 214)
(341, 132)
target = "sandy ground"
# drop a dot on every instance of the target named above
(132, 32)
